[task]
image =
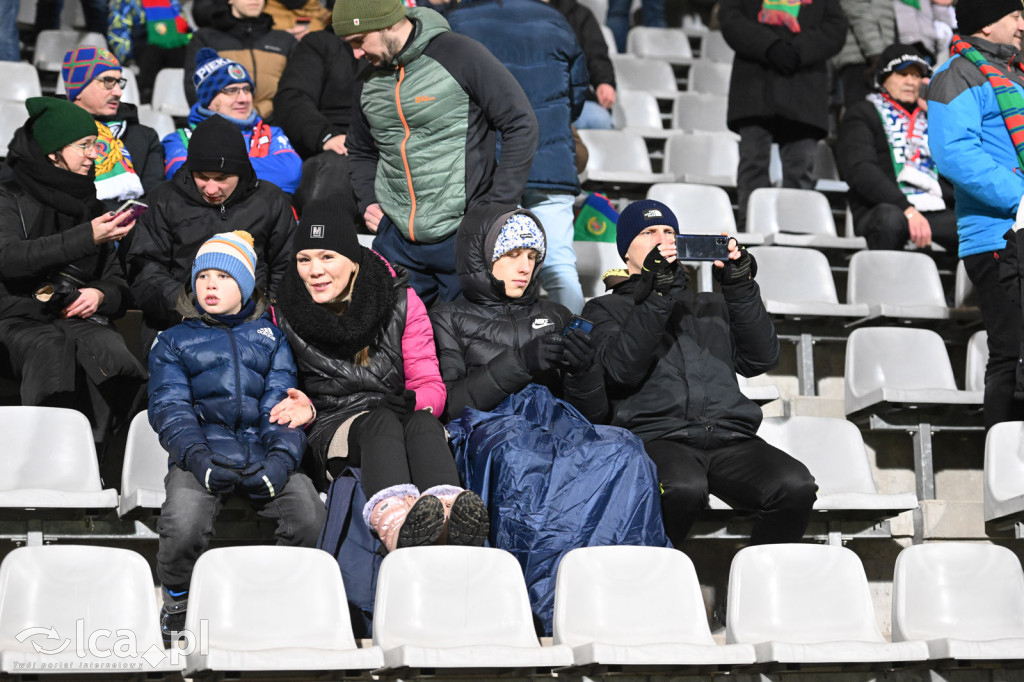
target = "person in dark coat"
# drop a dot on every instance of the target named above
(62, 282)
(215, 189)
(896, 193)
(779, 87)
(601, 96)
(670, 358)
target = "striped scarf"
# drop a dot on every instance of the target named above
(782, 13)
(1011, 103)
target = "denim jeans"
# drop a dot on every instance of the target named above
(652, 13)
(558, 272)
(594, 117)
(9, 50)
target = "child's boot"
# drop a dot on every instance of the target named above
(401, 517)
(172, 614)
(466, 521)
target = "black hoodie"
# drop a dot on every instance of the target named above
(478, 334)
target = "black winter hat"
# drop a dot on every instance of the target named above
(637, 217)
(974, 15)
(899, 56)
(217, 146)
(327, 224)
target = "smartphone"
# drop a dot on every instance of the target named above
(135, 208)
(577, 322)
(702, 247)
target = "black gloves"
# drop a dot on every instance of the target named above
(656, 274)
(400, 403)
(541, 353)
(265, 480)
(784, 57)
(217, 479)
(579, 350)
(740, 270)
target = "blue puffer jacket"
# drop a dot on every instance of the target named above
(213, 385)
(536, 43)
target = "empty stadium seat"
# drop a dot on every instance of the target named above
(145, 465)
(597, 595)
(609, 40)
(169, 93)
(157, 120)
(700, 112)
(965, 599)
(49, 461)
(274, 609)
(638, 112)
(1004, 474)
(903, 285)
(977, 359)
(964, 293)
(618, 157)
(808, 604)
(713, 48)
(449, 608)
(649, 75)
(45, 590)
(21, 81)
(796, 217)
(12, 116)
(711, 78)
(52, 45)
(826, 173)
(798, 282)
(593, 259)
(670, 44)
(703, 158)
(700, 209)
(129, 94)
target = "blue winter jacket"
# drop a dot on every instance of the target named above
(971, 146)
(538, 46)
(214, 386)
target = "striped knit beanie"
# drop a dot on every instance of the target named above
(233, 253)
(82, 64)
(214, 73)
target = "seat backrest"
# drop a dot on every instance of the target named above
(977, 359)
(49, 448)
(799, 593)
(21, 81)
(593, 259)
(963, 590)
(600, 593)
(700, 209)
(598, 7)
(842, 467)
(616, 150)
(825, 162)
(772, 209)
(894, 277)
(709, 77)
(169, 92)
(12, 116)
(636, 109)
(700, 111)
(702, 153)
(51, 45)
(964, 293)
(56, 585)
(270, 597)
(658, 43)
(129, 93)
(714, 48)
(1004, 462)
(609, 40)
(444, 596)
(633, 73)
(898, 358)
(159, 121)
(793, 275)
(145, 460)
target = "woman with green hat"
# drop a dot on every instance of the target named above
(60, 281)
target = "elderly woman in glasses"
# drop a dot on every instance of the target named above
(61, 284)
(225, 88)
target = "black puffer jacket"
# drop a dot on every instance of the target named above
(670, 362)
(478, 334)
(167, 236)
(143, 144)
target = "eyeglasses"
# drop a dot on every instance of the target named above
(236, 90)
(85, 147)
(108, 82)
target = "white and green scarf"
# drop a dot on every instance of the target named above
(907, 135)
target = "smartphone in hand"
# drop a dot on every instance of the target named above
(702, 247)
(577, 322)
(135, 208)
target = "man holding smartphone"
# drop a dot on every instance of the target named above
(670, 359)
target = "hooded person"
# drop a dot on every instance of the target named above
(225, 88)
(216, 188)
(371, 392)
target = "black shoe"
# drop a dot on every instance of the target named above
(423, 524)
(468, 522)
(172, 615)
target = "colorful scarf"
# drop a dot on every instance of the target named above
(907, 136)
(782, 13)
(1011, 102)
(165, 25)
(115, 175)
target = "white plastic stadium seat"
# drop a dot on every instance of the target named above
(650, 75)
(21, 81)
(637, 112)
(703, 158)
(713, 48)
(1004, 473)
(618, 157)
(965, 599)
(162, 123)
(897, 284)
(777, 213)
(45, 590)
(49, 460)
(593, 259)
(12, 116)
(129, 94)
(977, 359)
(700, 112)
(670, 44)
(169, 92)
(145, 465)
(808, 604)
(798, 282)
(52, 45)
(710, 78)
(596, 596)
(235, 589)
(446, 607)
(700, 209)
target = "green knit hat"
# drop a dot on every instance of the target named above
(57, 123)
(361, 16)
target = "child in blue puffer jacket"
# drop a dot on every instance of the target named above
(213, 381)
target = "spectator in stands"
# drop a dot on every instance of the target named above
(299, 17)
(129, 159)
(365, 351)
(214, 189)
(225, 89)
(63, 284)
(10, 50)
(239, 30)
(652, 13)
(896, 192)
(414, 193)
(537, 45)
(779, 87)
(152, 32)
(974, 101)
(214, 380)
(600, 98)
(48, 15)
(313, 106)
(670, 360)
(872, 29)
(927, 25)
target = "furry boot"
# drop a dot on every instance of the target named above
(466, 521)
